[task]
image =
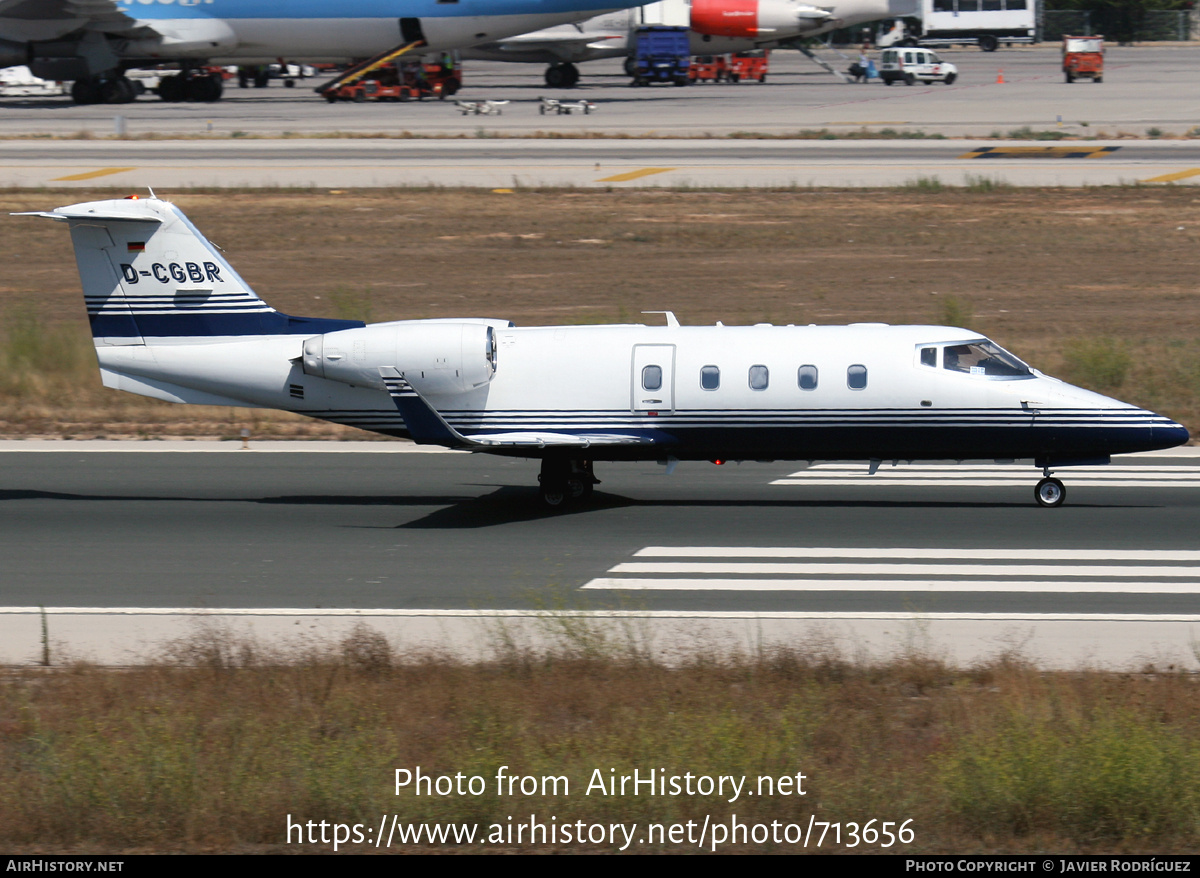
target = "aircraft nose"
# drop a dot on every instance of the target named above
(1170, 435)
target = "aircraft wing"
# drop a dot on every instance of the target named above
(428, 427)
(550, 46)
(36, 20)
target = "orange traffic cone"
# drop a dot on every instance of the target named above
(1000, 77)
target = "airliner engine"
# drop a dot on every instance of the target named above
(756, 18)
(435, 356)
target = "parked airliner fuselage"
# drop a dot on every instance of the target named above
(172, 320)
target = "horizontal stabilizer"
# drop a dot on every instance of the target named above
(69, 213)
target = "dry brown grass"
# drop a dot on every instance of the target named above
(210, 746)
(1039, 270)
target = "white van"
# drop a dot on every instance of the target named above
(908, 65)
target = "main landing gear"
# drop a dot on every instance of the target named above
(563, 481)
(562, 75)
(1049, 491)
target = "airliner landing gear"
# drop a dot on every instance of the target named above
(204, 88)
(562, 75)
(563, 481)
(97, 90)
(1050, 492)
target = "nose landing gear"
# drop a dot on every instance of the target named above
(1049, 491)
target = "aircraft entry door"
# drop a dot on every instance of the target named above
(653, 378)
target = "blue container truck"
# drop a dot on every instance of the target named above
(661, 54)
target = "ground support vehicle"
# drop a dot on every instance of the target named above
(983, 23)
(564, 108)
(915, 65)
(709, 68)
(661, 54)
(409, 81)
(1083, 58)
(748, 65)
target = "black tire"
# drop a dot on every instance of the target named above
(988, 43)
(1097, 79)
(1070, 77)
(909, 79)
(359, 96)
(735, 77)
(172, 88)
(1050, 493)
(262, 78)
(289, 83)
(556, 76)
(85, 91)
(887, 80)
(763, 78)
(949, 80)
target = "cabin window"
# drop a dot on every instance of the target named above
(856, 377)
(992, 5)
(807, 377)
(968, 6)
(759, 377)
(943, 5)
(929, 357)
(983, 358)
(652, 378)
(710, 377)
(1015, 4)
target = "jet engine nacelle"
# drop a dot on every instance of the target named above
(761, 19)
(436, 357)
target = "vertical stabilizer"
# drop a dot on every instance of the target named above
(147, 273)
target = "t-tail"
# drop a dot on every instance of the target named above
(148, 273)
(170, 317)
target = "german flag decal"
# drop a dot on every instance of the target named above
(136, 246)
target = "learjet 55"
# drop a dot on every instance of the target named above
(172, 320)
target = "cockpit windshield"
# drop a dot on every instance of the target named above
(983, 357)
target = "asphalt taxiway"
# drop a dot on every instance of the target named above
(703, 135)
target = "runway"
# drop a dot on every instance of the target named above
(447, 542)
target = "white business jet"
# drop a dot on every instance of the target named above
(172, 320)
(94, 42)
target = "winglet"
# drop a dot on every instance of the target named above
(424, 424)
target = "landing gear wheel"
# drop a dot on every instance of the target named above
(172, 88)
(85, 91)
(562, 76)
(1050, 492)
(204, 89)
(554, 494)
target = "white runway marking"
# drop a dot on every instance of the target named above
(976, 586)
(987, 476)
(870, 570)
